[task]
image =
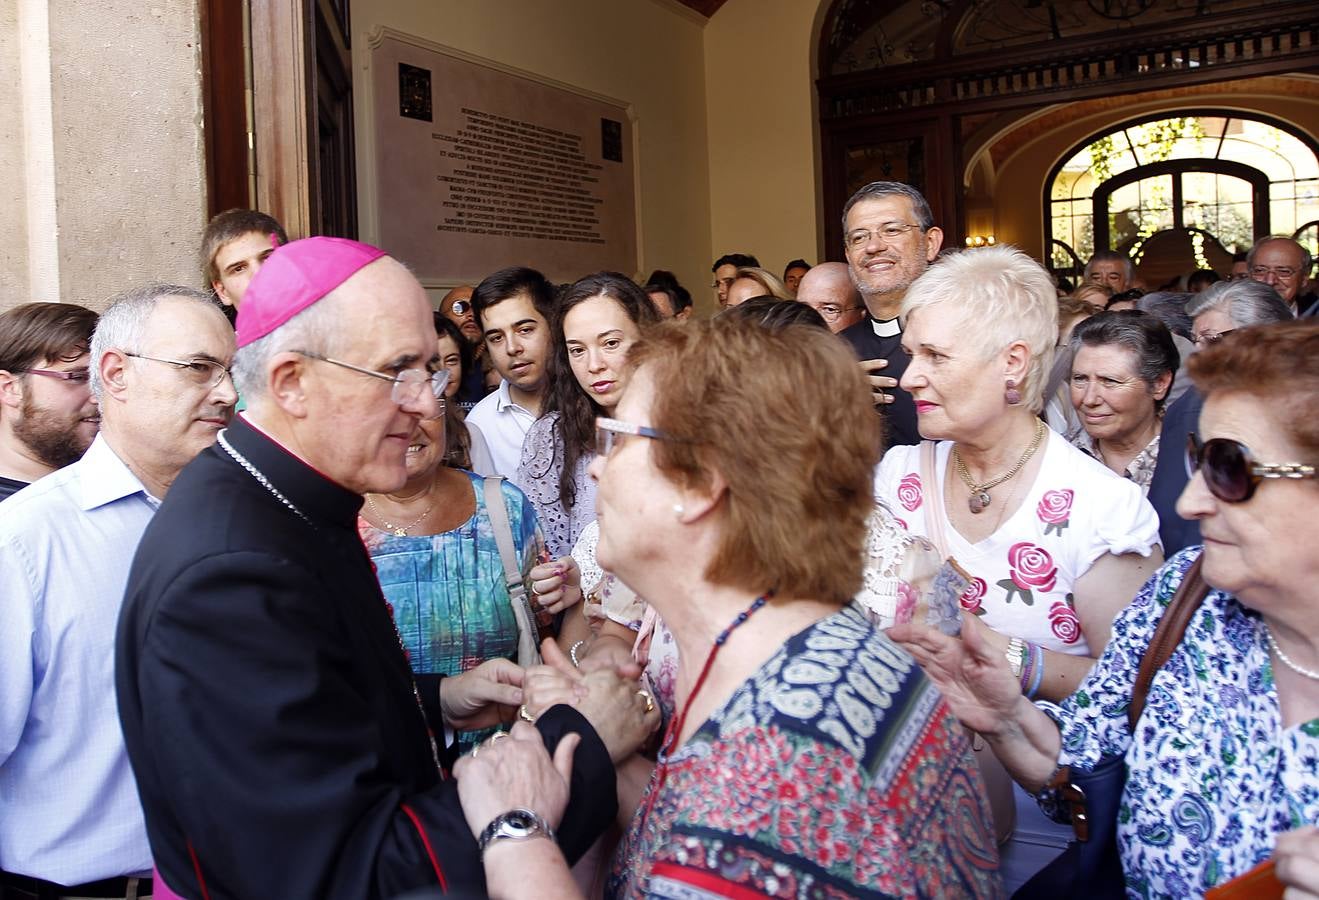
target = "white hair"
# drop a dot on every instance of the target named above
(311, 330)
(122, 325)
(1005, 296)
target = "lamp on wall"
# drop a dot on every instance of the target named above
(980, 240)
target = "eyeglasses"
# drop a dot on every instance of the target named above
(722, 282)
(76, 376)
(1229, 472)
(200, 371)
(1283, 272)
(461, 307)
(1210, 337)
(409, 385)
(609, 433)
(831, 313)
(889, 232)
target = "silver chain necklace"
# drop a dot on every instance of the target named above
(1286, 660)
(265, 483)
(261, 479)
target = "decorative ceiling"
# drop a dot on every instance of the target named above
(706, 8)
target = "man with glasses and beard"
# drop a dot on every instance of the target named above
(47, 415)
(72, 824)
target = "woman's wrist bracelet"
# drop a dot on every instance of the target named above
(572, 653)
(1037, 652)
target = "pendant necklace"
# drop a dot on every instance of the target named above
(677, 722)
(400, 530)
(265, 483)
(980, 499)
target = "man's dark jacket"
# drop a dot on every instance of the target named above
(268, 708)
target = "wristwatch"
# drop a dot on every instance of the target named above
(1016, 654)
(514, 825)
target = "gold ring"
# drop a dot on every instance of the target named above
(497, 735)
(650, 702)
(524, 715)
(474, 749)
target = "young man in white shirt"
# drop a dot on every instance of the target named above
(512, 308)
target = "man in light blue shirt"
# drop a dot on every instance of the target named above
(70, 820)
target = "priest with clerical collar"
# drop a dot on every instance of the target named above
(281, 744)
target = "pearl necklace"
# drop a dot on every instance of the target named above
(1286, 660)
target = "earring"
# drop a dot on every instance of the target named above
(678, 510)
(1012, 395)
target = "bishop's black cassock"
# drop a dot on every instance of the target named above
(268, 707)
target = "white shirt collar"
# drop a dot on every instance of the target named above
(104, 478)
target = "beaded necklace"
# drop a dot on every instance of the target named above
(676, 723)
(265, 483)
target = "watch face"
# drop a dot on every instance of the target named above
(519, 821)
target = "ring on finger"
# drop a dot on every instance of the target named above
(533, 589)
(495, 738)
(524, 715)
(650, 701)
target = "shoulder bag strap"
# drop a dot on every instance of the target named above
(528, 652)
(1169, 633)
(935, 517)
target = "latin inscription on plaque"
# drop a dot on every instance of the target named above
(478, 167)
(519, 179)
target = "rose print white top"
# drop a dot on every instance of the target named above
(1022, 575)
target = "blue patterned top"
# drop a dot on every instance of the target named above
(447, 590)
(1212, 776)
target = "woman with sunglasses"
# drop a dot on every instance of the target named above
(1222, 763)
(594, 323)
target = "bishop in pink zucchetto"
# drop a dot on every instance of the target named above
(294, 277)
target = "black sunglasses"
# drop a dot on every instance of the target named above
(1230, 473)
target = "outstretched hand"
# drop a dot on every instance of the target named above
(515, 773)
(971, 672)
(482, 697)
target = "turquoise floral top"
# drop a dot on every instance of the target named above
(1212, 776)
(447, 590)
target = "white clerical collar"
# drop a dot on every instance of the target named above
(886, 327)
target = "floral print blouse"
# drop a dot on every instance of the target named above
(1212, 775)
(1022, 575)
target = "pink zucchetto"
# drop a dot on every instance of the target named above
(294, 277)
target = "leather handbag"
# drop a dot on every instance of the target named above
(1091, 865)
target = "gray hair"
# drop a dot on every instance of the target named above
(1169, 307)
(1247, 302)
(312, 330)
(879, 189)
(1143, 334)
(1110, 256)
(1306, 259)
(1004, 296)
(122, 325)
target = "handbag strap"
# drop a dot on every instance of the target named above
(528, 651)
(936, 518)
(1167, 635)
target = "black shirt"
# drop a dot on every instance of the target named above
(268, 709)
(900, 415)
(9, 487)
